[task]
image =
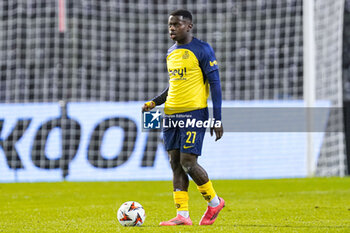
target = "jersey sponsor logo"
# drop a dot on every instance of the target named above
(181, 72)
(213, 63)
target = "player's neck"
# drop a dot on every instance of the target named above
(185, 40)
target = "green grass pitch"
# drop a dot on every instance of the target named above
(278, 205)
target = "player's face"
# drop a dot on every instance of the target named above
(179, 28)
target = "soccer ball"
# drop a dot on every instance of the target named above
(131, 213)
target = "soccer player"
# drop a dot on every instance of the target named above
(192, 68)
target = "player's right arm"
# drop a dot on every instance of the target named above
(158, 100)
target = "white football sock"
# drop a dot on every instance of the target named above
(214, 202)
(184, 213)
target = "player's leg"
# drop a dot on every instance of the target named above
(191, 167)
(171, 138)
(205, 187)
(180, 194)
(200, 177)
(191, 147)
(180, 177)
(180, 184)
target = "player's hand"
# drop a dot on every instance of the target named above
(219, 131)
(148, 106)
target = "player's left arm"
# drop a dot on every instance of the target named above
(216, 96)
(210, 67)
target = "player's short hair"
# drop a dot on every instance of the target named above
(184, 13)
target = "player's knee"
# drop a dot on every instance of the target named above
(187, 165)
(187, 169)
(175, 164)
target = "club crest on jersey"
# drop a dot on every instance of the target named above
(186, 55)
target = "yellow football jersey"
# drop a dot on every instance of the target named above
(187, 66)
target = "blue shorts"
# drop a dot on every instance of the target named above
(187, 136)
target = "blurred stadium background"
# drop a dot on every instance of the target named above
(74, 75)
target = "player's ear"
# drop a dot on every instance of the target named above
(189, 26)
